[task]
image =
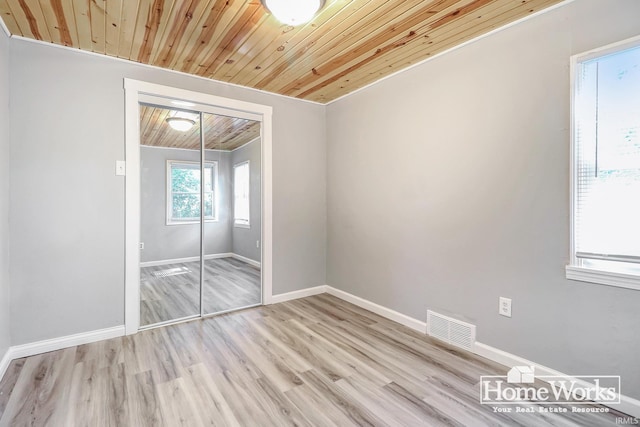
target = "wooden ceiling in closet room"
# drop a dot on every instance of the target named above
(220, 132)
(349, 44)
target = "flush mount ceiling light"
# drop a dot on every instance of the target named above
(293, 12)
(180, 123)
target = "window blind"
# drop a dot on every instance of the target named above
(607, 144)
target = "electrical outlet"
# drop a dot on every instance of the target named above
(141, 245)
(505, 307)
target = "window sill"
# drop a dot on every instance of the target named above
(602, 277)
(242, 225)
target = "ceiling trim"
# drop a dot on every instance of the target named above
(454, 48)
(154, 67)
(245, 144)
(188, 149)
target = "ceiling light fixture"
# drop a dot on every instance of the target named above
(293, 12)
(180, 123)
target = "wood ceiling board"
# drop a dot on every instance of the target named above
(218, 21)
(186, 35)
(113, 16)
(221, 132)
(168, 16)
(83, 24)
(350, 44)
(149, 20)
(369, 42)
(393, 36)
(232, 39)
(255, 49)
(127, 27)
(157, 129)
(98, 17)
(51, 21)
(452, 38)
(196, 35)
(301, 54)
(187, 15)
(289, 41)
(9, 20)
(425, 38)
(66, 10)
(29, 19)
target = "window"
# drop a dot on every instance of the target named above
(183, 192)
(606, 166)
(241, 180)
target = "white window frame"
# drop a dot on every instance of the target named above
(169, 193)
(235, 221)
(577, 270)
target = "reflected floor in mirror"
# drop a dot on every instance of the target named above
(172, 291)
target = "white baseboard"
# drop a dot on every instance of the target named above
(24, 350)
(4, 362)
(197, 258)
(381, 310)
(187, 259)
(298, 294)
(247, 260)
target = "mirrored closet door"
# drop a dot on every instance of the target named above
(200, 212)
(230, 282)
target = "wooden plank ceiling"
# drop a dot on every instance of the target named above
(349, 44)
(220, 132)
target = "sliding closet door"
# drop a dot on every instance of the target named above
(171, 177)
(232, 252)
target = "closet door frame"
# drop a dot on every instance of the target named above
(138, 91)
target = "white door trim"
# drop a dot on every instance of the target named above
(134, 90)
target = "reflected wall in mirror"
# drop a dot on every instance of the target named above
(188, 268)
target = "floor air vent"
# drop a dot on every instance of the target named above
(171, 272)
(449, 330)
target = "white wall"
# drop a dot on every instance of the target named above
(4, 194)
(448, 186)
(244, 239)
(166, 242)
(67, 205)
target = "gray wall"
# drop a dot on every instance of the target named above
(244, 239)
(4, 194)
(67, 205)
(162, 241)
(448, 186)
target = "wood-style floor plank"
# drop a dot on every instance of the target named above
(318, 361)
(172, 291)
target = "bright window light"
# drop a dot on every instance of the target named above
(241, 184)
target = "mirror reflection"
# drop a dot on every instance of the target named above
(200, 214)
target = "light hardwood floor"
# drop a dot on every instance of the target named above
(317, 361)
(172, 291)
